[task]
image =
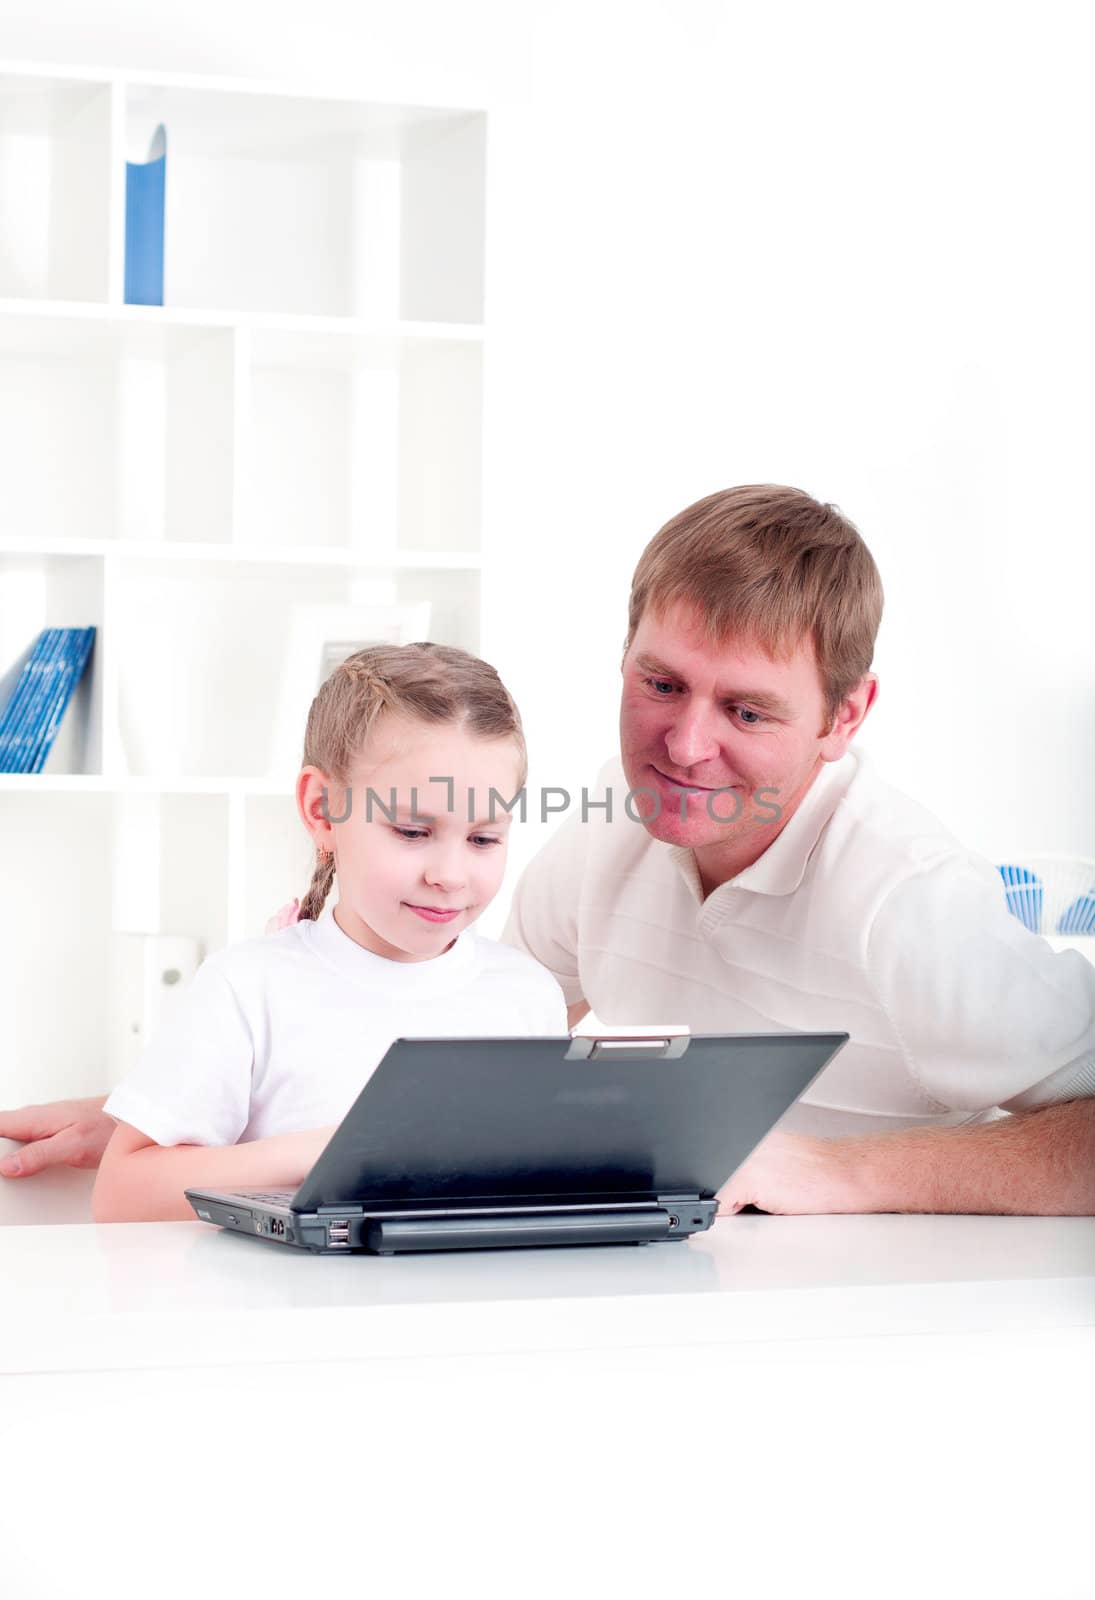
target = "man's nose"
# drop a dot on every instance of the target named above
(692, 737)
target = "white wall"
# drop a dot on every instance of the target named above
(812, 245)
(840, 246)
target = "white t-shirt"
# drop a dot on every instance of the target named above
(278, 1034)
(864, 915)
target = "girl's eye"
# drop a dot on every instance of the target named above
(658, 684)
(484, 839)
(411, 833)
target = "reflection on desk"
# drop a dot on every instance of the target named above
(135, 1295)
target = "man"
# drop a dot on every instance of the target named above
(776, 882)
(741, 869)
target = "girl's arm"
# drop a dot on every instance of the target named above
(141, 1181)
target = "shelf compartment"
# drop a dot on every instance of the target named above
(370, 443)
(86, 858)
(455, 601)
(116, 429)
(170, 865)
(55, 157)
(55, 854)
(309, 205)
(201, 652)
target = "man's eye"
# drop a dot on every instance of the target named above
(658, 684)
(750, 718)
(411, 833)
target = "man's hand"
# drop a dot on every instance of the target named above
(1034, 1163)
(66, 1133)
(791, 1175)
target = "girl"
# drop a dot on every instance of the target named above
(410, 755)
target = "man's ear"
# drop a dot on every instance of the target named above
(849, 718)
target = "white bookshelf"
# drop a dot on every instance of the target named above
(299, 423)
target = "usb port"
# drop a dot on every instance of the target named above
(338, 1232)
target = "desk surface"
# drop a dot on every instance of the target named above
(139, 1295)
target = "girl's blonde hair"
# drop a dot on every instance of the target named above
(432, 683)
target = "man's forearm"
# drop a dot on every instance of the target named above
(1035, 1163)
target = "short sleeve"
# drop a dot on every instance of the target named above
(988, 1013)
(192, 1084)
(543, 918)
(547, 1007)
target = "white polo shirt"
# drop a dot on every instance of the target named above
(863, 916)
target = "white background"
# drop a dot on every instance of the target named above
(842, 246)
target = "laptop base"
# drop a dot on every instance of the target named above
(391, 1232)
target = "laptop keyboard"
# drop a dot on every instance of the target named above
(274, 1197)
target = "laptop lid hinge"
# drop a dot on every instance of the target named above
(658, 1047)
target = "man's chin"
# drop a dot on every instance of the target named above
(693, 833)
(668, 817)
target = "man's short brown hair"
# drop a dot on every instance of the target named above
(772, 566)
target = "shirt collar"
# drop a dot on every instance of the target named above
(780, 869)
(328, 940)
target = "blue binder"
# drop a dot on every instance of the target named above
(80, 642)
(145, 187)
(45, 648)
(49, 681)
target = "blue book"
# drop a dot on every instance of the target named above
(47, 649)
(47, 664)
(41, 689)
(145, 189)
(79, 649)
(46, 701)
(25, 735)
(10, 710)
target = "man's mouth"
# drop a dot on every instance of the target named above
(434, 913)
(689, 783)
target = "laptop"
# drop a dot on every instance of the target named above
(457, 1144)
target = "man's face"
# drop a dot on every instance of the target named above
(698, 717)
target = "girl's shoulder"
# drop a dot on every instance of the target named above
(270, 956)
(506, 961)
(516, 993)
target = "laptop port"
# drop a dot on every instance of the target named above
(338, 1232)
(674, 1222)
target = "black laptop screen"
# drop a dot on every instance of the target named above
(512, 1119)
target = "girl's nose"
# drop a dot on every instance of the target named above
(445, 872)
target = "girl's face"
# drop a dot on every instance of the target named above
(412, 869)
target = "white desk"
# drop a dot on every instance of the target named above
(182, 1295)
(800, 1404)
